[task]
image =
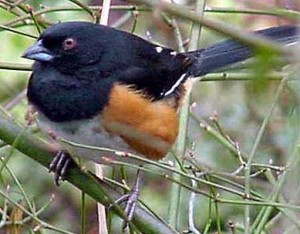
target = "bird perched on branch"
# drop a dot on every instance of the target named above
(98, 86)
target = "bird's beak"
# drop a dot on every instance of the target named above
(38, 52)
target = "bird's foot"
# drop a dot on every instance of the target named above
(59, 166)
(131, 200)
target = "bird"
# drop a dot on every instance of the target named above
(99, 86)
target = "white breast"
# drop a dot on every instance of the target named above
(88, 133)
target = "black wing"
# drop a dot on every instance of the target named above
(148, 67)
(160, 71)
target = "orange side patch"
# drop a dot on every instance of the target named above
(148, 127)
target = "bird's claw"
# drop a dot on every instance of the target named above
(59, 166)
(131, 200)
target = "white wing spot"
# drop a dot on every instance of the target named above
(148, 35)
(178, 82)
(173, 53)
(292, 43)
(158, 49)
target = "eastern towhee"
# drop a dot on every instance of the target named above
(99, 86)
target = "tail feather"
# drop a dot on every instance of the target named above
(229, 51)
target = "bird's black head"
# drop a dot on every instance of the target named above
(66, 82)
(70, 45)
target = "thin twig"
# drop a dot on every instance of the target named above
(253, 152)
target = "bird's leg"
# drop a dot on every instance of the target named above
(130, 199)
(30, 115)
(61, 160)
(59, 165)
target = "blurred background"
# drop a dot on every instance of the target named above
(235, 108)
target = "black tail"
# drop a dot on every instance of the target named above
(229, 51)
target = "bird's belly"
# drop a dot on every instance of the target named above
(86, 133)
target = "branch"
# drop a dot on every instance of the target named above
(98, 189)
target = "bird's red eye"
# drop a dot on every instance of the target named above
(69, 43)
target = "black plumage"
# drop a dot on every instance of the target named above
(74, 84)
